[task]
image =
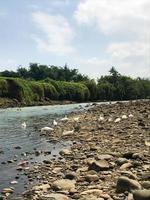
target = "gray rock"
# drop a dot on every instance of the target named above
(126, 184)
(141, 195)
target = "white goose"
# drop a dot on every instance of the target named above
(68, 132)
(101, 118)
(124, 117)
(46, 129)
(117, 120)
(24, 125)
(65, 119)
(76, 119)
(130, 115)
(55, 123)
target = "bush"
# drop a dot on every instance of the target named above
(50, 91)
(74, 91)
(3, 88)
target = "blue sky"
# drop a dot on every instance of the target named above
(90, 35)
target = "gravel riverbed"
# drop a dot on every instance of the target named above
(109, 157)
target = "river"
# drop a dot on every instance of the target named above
(29, 140)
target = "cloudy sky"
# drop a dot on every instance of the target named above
(90, 35)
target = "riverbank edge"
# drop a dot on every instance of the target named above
(12, 103)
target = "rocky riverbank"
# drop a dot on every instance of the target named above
(109, 158)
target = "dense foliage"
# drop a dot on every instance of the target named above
(41, 82)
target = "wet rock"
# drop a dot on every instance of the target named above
(141, 195)
(10, 161)
(17, 147)
(126, 184)
(23, 163)
(37, 153)
(47, 161)
(99, 165)
(63, 184)
(1, 152)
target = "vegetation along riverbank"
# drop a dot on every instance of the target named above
(109, 158)
(42, 85)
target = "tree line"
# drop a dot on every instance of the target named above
(62, 83)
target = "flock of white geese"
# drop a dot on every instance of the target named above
(65, 119)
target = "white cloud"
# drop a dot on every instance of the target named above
(115, 15)
(58, 33)
(127, 24)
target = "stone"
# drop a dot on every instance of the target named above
(121, 161)
(65, 152)
(47, 161)
(126, 184)
(99, 165)
(91, 178)
(63, 184)
(17, 147)
(130, 196)
(70, 176)
(129, 174)
(55, 196)
(57, 170)
(43, 187)
(7, 190)
(104, 157)
(146, 184)
(141, 195)
(128, 155)
(126, 165)
(93, 194)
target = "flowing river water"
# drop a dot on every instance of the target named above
(13, 135)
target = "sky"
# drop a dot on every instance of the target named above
(89, 35)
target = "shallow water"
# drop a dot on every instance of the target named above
(29, 139)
